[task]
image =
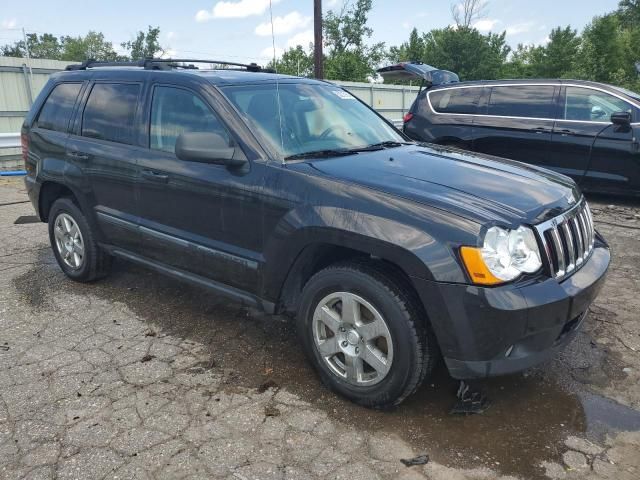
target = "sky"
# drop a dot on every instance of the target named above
(240, 30)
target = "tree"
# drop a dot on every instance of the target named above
(345, 32)
(295, 61)
(411, 51)
(629, 13)
(560, 54)
(602, 51)
(467, 52)
(40, 46)
(92, 45)
(467, 12)
(144, 45)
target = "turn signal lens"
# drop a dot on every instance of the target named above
(478, 270)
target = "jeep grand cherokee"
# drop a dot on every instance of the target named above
(292, 195)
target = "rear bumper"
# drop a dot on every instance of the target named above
(33, 190)
(486, 332)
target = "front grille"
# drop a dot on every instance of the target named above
(568, 240)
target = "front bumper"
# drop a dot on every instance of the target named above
(486, 332)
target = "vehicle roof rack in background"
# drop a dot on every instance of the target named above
(168, 64)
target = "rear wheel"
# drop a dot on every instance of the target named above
(74, 244)
(365, 334)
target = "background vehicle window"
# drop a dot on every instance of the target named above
(456, 100)
(57, 109)
(522, 101)
(110, 112)
(175, 111)
(584, 104)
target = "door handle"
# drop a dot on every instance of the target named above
(565, 131)
(78, 155)
(541, 130)
(155, 176)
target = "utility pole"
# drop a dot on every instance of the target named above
(28, 53)
(317, 39)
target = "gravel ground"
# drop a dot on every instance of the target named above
(139, 376)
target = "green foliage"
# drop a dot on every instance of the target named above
(348, 56)
(467, 52)
(295, 61)
(92, 45)
(144, 45)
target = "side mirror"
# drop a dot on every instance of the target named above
(622, 119)
(205, 147)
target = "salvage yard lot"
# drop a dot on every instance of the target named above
(139, 376)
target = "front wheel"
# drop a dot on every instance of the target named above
(366, 334)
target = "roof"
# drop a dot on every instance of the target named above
(534, 81)
(232, 73)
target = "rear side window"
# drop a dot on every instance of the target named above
(456, 100)
(522, 101)
(175, 111)
(110, 112)
(57, 109)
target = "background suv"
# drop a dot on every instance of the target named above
(586, 130)
(291, 195)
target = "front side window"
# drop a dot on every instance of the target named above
(175, 111)
(309, 117)
(110, 112)
(587, 105)
(456, 100)
(57, 109)
(533, 101)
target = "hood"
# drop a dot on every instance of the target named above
(479, 187)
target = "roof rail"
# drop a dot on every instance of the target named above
(166, 64)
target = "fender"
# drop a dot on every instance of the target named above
(413, 250)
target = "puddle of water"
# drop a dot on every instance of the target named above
(527, 422)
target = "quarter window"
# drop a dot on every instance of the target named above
(175, 111)
(584, 104)
(456, 100)
(110, 112)
(522, 101)
(57, 109)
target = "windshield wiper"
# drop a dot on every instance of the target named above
(321, 154)
(380, 146)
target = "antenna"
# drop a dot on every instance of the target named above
(275, 67)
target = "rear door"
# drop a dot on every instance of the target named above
(445, 116)
(600, 155)
(104, 148)
(517, 122)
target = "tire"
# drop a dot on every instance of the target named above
(77, 252)
(408, 354)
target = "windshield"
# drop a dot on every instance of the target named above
(314, 118)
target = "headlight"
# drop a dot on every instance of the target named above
(505, 255)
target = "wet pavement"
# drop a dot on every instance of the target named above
(140, 376)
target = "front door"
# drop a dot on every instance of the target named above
(603, 156)
(516, 123)
(199, 217)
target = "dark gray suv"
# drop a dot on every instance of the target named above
(291, 195)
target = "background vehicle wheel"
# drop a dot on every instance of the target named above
(365, 333)
(74, 244)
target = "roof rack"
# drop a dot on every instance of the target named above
(167, 64)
